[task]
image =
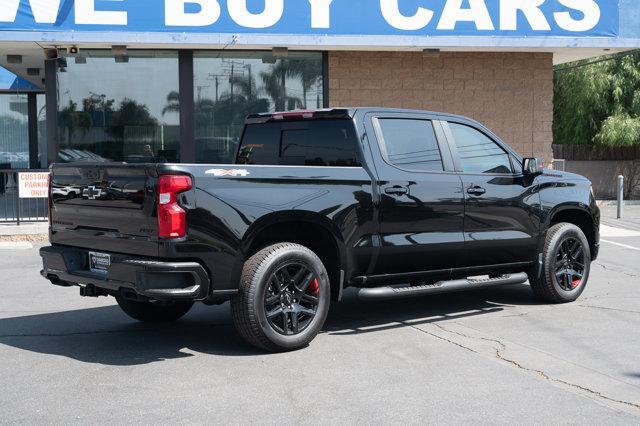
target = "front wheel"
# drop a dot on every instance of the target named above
(283, 298)
(565, 265)
(154, 311)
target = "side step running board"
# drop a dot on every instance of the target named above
(382, 293)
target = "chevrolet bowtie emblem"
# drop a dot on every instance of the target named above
(92, 193)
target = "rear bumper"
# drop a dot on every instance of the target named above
(145, 277)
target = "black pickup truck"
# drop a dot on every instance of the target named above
(396, 203)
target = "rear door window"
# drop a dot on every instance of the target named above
(411, 144)
(331, 143)
(478, 153)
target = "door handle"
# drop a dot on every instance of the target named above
(476, 190)
(396, 190)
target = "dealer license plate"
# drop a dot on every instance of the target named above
(99, 262)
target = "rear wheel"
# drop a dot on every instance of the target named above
(283, 298)
(154, 311)
(566, 265)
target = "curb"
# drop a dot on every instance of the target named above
(26, 232)
(613, 203)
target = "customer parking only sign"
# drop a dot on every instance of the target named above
(329, 18)
(33, 185)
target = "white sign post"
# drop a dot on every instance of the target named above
(33, 185)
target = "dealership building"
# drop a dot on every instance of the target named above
(142, 80)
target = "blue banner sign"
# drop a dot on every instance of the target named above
(502, 18)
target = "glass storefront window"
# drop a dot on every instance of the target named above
(118, 108)
(14, 131)
(42, 130)
(228, 86)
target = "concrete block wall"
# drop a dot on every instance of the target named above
(511, 93)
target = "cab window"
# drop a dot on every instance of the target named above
(411, 144)
(478, 153)
(313, 143)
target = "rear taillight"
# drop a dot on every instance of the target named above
(172, 219)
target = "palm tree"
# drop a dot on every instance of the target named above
(173, 103)
(309, 74)
(246, 87)
(275, 84)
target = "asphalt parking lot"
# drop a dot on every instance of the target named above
(494, 356)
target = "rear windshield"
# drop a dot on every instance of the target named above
(300, 143)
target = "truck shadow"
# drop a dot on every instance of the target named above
(355, 317)
(104, 335)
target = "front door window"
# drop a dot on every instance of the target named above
(478, 153)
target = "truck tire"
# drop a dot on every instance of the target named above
(152, 312)
(283, 298)
(566, 262)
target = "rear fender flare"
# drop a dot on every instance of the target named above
(308, 217)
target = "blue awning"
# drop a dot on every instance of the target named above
(11, 82)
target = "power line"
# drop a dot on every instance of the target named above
(597, 61)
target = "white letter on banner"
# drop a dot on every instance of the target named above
(273, 10)
(87, 14)
(454, 13)
(589, 9)
(530, 9)
(320, 16)
(44, 11)
(175, 15)
(391, 12)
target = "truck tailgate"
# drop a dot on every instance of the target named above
(97, 206)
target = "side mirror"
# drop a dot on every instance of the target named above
(533, 166)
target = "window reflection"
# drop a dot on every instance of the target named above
(478, 153)
(14, 131)
(228, 86)
(118, 109)
(42, 129)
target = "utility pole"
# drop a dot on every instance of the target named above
(231, 80)
(250, 82)
(216, 79)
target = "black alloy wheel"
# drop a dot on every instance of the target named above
(291, 300)
(566, 263)
(570, 264)
(283, 298)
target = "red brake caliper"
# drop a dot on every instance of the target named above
(575, 283)
(314, 287)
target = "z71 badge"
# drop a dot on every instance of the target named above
(231, 172)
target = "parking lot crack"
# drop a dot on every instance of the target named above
(499, 353)
(545, 376)
(609, 309)
(439, 337)
(608, 268)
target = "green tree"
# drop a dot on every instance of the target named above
(97, 103)
(130, 114)
(598, 103)
(72, 120)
